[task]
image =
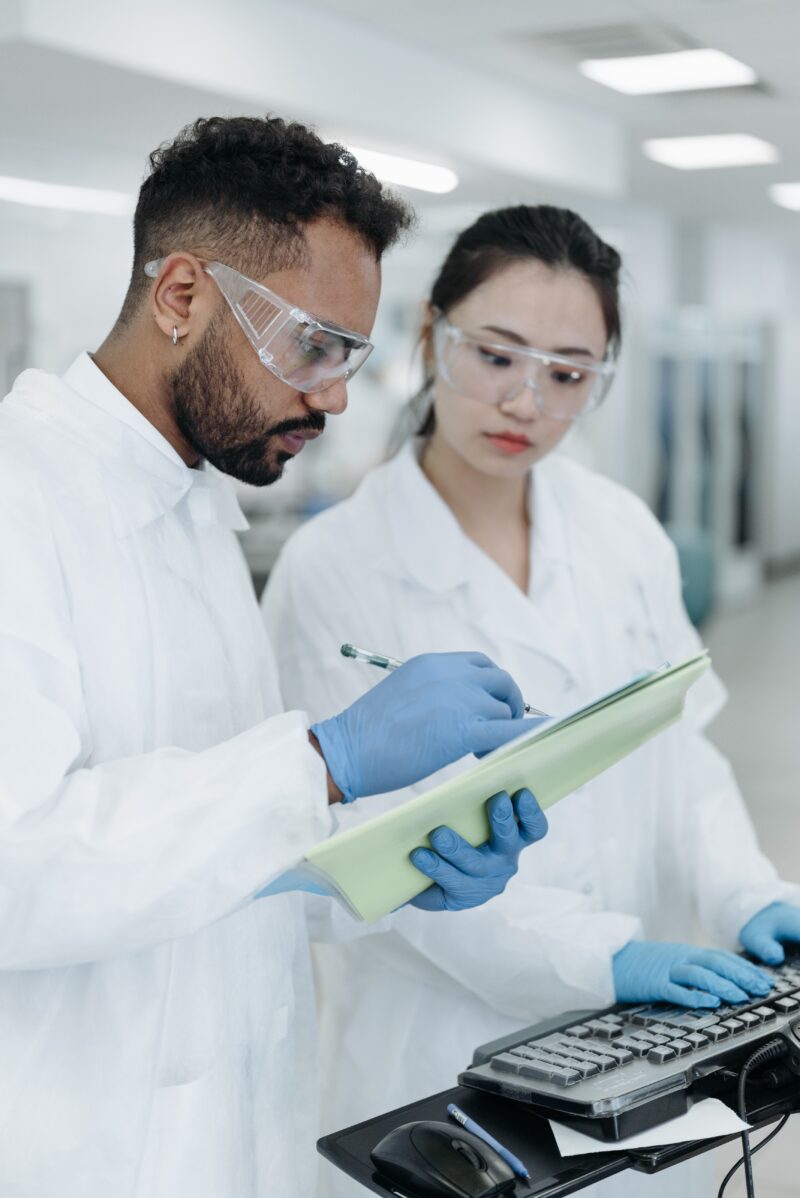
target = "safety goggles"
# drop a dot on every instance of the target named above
(303, 351)
(564, 388)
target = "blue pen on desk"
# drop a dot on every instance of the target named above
(392, 663)
(470, 1125)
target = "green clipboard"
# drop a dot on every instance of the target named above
(368, 866)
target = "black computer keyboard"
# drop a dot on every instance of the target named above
(617, 1072)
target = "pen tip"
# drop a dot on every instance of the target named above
(347, 651)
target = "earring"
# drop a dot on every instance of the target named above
(174, 334)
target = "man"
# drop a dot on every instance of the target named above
(156, 1021)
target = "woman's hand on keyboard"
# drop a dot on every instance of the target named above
(662, 971)
(764, 935)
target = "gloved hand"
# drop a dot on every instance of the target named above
(466, 876)
(433, 710)
(659, 971)
(762, 935)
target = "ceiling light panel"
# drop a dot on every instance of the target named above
(786, 195)
(406, 172)
(708, 153)
(655, 74)
(70, 199)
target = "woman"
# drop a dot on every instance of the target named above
(477, 534)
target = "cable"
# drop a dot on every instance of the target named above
(771, 1051)
(761, 1144)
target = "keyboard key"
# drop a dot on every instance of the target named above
(565, 1077)
(579, 1030)
(718, 1032)
(691, 1022)
(612, 1019)
(621, 1055)
(766, 1013)
(604, 1063)
(572, 1052)
(661, 1054)
(586, 1068)
(646, 1017)
(661, 1029)
(639, 1048)
(749, 1019)
(651, 1038)
(681, 1047)
(733, 1026)
(541, 1070)
(522, 1050)
(504, 1062)
(604, 1031)
(786, 1005)
(697, 1040)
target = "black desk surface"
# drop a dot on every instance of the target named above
(527, 1135)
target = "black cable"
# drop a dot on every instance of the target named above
(771, 1051)
(761, 1144)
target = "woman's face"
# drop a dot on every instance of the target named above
(525, 304)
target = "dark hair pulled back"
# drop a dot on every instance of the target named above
(555, 236)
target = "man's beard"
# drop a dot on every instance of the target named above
(221, 418)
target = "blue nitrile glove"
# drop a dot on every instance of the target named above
(660, 971)
(762, 936)
(466, 876)
(433, 710)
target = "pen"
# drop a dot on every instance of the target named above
(470, 1125)
(392, 663)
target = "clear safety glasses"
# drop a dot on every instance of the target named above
(304, 351)
(564, 388)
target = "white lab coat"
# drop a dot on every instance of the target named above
(660, 839)
(156, 1025)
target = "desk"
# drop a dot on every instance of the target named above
(530, 1138)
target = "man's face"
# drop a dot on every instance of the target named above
(232, 410)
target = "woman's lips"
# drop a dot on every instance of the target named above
(510, 443)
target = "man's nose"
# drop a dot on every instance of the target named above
(333, 400)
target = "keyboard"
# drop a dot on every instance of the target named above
(616, 1072)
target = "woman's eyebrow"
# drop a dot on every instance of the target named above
(509, 334)
(565, 351)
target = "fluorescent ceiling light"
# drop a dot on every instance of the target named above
(683, 71)
(423, 176)
(787, 195)
(71, 199)
(705, 153)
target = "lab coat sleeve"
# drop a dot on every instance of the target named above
(532, 952)
(711, 831)
(731, 877)
(118, 857)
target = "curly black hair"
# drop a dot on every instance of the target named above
(242, 188)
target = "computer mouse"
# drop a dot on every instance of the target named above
(432, 1160)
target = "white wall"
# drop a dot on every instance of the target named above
(77, 268)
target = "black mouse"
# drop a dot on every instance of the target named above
(435, 1159)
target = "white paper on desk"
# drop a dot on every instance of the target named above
(705, 1120)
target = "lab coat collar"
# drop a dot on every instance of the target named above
(428, 539)
(141, 469)
(430, 547)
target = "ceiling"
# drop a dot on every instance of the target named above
(537, 45)
(424, 75)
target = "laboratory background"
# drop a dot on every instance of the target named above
(692, 171)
